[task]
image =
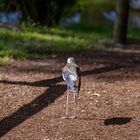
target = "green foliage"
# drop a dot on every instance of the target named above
(43, 12)
(41, 42)
(5, 61)
(34, 42)
(97, 5)
(2, 5)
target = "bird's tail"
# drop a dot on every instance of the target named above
(71, 86)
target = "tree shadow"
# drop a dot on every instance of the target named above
(43, 83)
(53, 81)
(54, 91)
(117, 121)
(101, 70)
(30, 109)
(50, 95)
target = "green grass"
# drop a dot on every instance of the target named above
(5, 61)
(41, 42)
(32, 42)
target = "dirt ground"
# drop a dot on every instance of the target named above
(33, 98)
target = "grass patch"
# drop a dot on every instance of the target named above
(32, 42)
(40, 42)
(5, 61)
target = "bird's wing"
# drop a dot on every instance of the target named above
(70, 72)
(69, 77)
(79, 78)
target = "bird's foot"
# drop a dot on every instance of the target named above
(73, 117)
(64, 117)
(67, 117)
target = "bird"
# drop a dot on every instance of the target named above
(72, 76)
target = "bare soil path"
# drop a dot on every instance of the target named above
(33, 97)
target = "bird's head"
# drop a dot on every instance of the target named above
(70, 60)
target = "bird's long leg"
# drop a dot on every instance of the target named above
(74, 106)
(75, 101)
(74, 116)
(67, 104)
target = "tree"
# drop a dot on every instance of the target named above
(44, 12)
(120, 28)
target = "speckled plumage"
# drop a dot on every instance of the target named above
(71, 74)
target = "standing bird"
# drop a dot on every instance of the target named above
(71, 74)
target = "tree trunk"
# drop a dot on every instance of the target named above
(120, 28)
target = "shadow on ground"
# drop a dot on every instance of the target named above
(117, 121)
(111, 61)
(30, 109)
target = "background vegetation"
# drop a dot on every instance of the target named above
(34, 38)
